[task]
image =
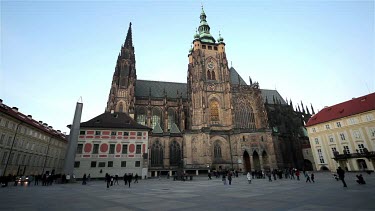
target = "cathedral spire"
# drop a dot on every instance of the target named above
(204, 29)
(129, 37)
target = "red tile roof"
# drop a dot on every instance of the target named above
(348, 108)
(26, 120)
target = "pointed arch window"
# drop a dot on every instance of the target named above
(121, 108)
(175, 154)
(244, 115)
(217, 150)
(214, 111)
(213, 75)
(171, 117)
(208, 75)
(157, 154)
(156, 117)
(141, 115)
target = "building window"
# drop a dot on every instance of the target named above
(76, 164)
(330, 137)
(156, 117)
(2, 138)
(138, 149)
(215, 48)
(139, 133)
(327, 127)
(79, 148)
(101, 164)
(244, 115)
(313, 130)
(95, 150)
(121, 108)
(320, 154)
(9, 141)
(98, 133)
(93, 164)
(112, 148)
(333, 150)
(372, 132)
(124, 149)
(171, 117)
(137, 163)
(351, 121)
(82, 132)
(110, 163)
(368, 117)
(342, 136)
(5, 156)
(126, 133)
(217, 150)
(361, 147)
(214, 111)
(113, 133)
(123, 163)
(175, 153)
(357, 135)
(141, 115)
(316, 141)
(346, 150)
(157, 154)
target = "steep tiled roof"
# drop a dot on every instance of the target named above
(113, 120)
(270, 94)
(348, 108)
(157, 88)
(27, 120)
(235, 78)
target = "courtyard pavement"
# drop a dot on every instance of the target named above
(199, 194)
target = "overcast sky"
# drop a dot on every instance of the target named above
(53, 52)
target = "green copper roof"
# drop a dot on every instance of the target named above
(204, 29)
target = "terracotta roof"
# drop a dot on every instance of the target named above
(348, 108)
(113, 120)
(28, 120)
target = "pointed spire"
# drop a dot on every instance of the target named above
(291, 103)
(204, 29)
(251, 82)
(302, 105)
(299, 110)
(307, 110)
(312, 109)
(129, 38)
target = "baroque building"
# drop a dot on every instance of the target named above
(215, 121)
(27, 146)
(344, 135)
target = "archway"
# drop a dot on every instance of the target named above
(361, 164)
(324, 168)
(256, 161)
(307, 165)
(246, 159)
(265, 160)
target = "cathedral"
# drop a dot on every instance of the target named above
(214, 121)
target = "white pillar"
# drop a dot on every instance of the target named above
(196, 172)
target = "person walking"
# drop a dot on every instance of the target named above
(116, 179)
(88, 178)
(297, 174)
(125, 179)
(312, 177)
(307, 177)
(130, 177)
(248, 177)
(107, 179)
(341, 174)
(209, 175)
(84, 179)
(230, 178)
(136, 178)
(224, 179)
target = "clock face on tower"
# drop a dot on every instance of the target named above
(210, 65)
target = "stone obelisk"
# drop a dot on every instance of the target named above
(72, 142)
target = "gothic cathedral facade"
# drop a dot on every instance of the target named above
(215, 121)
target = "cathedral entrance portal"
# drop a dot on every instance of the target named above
(246, 159)
(256, 161)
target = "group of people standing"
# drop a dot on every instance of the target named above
(113, 180)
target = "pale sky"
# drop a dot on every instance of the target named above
(53, 52)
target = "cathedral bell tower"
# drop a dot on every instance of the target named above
(209, 81)
(121, 96)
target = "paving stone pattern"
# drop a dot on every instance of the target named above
(199, 194)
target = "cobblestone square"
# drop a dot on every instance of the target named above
(199, 194)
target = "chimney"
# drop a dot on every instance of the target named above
(45, 124)
(15, 109)
(50, 127)
(41, 122)
(29, 116)
(59, 131)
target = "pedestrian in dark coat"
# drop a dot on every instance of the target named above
(230, 178)
(84, 179)
(341, 174)
(126, 179)
(312, 177)
(107, 179)
(130, 177)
